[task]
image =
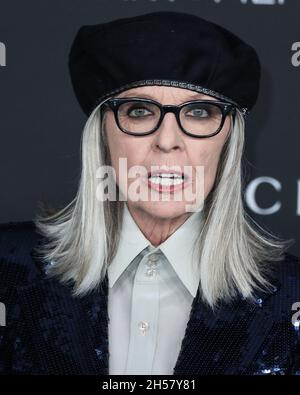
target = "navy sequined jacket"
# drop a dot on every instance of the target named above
(47, 331)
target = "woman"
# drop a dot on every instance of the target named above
(154, 267)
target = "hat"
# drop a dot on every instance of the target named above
(163, 48)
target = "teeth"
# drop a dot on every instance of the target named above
(166, 181)
(169, 175)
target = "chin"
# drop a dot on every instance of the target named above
(162, 210)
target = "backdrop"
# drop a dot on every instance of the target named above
(41, 122)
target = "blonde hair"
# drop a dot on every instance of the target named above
(82, 238)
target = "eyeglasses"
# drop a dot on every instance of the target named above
(197, 118)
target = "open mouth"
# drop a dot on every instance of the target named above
(166, 179)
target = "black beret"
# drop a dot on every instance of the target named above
(163, 48)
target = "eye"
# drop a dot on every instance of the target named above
(137, 112)
(201, 111)
(198, 112)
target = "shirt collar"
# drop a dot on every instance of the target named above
(177, 248)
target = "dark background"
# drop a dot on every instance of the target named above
(41, 122)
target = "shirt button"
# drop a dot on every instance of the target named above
(153, 258)
(143, 327)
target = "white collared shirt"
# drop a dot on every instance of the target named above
(151, 290)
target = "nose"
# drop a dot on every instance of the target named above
(168, 136)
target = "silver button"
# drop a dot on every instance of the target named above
(153, 258)
(143, 327)
(152, 265)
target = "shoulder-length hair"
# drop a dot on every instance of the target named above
(236, 254)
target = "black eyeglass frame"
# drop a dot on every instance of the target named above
(115, 103)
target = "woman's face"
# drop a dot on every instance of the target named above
(168, 147)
